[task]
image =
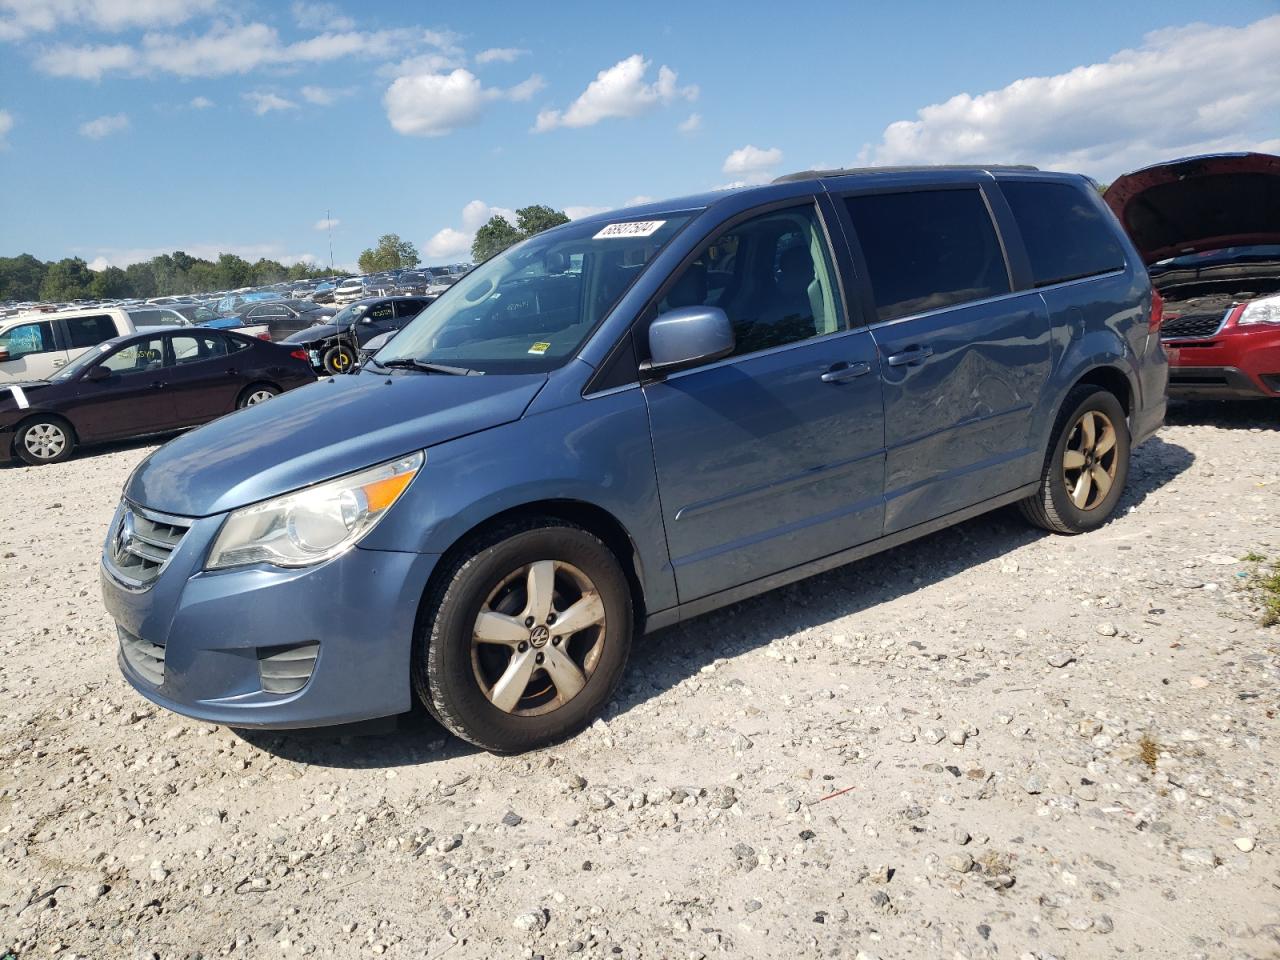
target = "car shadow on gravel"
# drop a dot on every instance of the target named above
(662, 660)
(100, 449)
(1225, 414)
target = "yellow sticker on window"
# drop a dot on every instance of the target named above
(540, 347)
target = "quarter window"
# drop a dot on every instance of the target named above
(771, 275)
(90, 331)
(928, 249)
(1066, 233)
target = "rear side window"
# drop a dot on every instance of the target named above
(90, 331)
(28, 338)
(1066, 235)
(928, 249)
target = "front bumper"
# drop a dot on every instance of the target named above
(1237, 362)
(210, 631)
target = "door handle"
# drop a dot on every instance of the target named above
(231, 371)
(58, 363)
(157, 384)
(842, 371)
(910, 356)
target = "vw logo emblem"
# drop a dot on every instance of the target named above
(124, 536)
(538, 636)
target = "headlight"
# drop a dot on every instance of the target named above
(1266, 310)
(315, 524)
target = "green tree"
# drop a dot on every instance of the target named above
(68, 279)
(109, 284)
(534, 219)
(233, 271)
(498, 234)
(390, 253)
(142, 279)
(20, 277)
(494, 237)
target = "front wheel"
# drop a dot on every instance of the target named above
(1087, 464)
(44, 440)
(526, 637)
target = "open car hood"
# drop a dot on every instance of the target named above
(1199, 203)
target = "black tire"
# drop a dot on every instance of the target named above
(253, 394)
(1052, 506)
(445, 671)
(338, 360)
(27, 446)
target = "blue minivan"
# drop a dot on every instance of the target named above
(631, 420)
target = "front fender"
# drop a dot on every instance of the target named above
(595, 451)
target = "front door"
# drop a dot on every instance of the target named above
(962, 358)
(29, 352)
(773, 456)
(131, 400)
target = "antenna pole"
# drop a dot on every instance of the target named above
(329, 224)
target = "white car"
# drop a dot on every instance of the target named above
(349, 291)
(34, 346)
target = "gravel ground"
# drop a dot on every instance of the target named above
(989, 743)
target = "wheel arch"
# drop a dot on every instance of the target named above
(591, 517)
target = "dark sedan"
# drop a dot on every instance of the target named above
(157, 381)
(282, 317)
(332, 345)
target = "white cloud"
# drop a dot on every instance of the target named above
(6, 124)
(200, 103)
(618, 91)
(500, 55)
(452, 242)
(753, 164)
(20, 18)
(88, 62)
(434, 104)
(223, 49)
(104, 126)
(320, 16)
(323, 96)
(639, 200)
(264, 102)
(326, 224)
(691, 124)
(1139, 106)
(578, 212)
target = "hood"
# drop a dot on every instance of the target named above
(27, 387)
(320, 431)
(315, 332)
(1199, 203)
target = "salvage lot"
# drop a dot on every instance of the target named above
(1058, 745)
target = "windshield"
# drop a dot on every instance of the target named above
(531, 307)
(86, 359)
(348, 314)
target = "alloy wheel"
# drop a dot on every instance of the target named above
(1089, 460)
(538, 638)
(45, 440)
(258, 396)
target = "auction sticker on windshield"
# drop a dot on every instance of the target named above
(540, 347)
(636, 228)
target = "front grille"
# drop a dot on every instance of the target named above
(1191, 325)
(287, 669)
(141, 543)
(145, 657)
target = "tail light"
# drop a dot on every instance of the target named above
(265, 336)
(1157, 312)
(299, 354)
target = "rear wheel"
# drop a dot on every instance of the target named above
(339, 360)
(43, 440)
(526, 638)
(255, 394)
(1087, 464)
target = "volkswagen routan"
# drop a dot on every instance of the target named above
(631, 420)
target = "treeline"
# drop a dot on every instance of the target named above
(26, 278)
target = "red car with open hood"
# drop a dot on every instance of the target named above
(1209, 230)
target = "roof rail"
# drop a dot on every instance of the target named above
(851, 171)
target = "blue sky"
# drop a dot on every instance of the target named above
(133, 127)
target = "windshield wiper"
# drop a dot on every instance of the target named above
(413, 363)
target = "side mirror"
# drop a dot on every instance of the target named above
(4, 354)
(686, 337)
(97, 373)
